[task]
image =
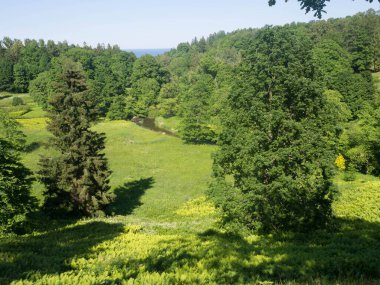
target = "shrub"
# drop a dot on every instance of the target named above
(17, 101)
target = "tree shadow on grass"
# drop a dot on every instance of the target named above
(32, 147)
(128, 196)
(27, 257)
(349, 255)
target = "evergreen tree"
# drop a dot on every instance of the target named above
(77, 180)
(273, 169)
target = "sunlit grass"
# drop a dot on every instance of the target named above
(359, 198)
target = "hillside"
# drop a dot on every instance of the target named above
(161, 230)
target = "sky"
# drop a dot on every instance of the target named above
(133, 24)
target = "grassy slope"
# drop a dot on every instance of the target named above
(162, 229)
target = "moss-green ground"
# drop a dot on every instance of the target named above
(162, 230)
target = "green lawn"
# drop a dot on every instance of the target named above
(162, 230)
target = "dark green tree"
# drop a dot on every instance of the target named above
(15, 179)
(273, 170)
(77, 180)
(6, 73)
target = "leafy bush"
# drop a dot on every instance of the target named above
(17, 101)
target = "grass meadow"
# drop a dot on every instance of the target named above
(161, 229)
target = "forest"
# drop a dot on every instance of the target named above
(247, 157)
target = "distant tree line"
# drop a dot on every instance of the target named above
(25, 67)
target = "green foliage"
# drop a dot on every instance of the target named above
(15, 179)
(15, 182)
(25, 66)
(17, 101)
(195, 125)
(111, 76)
(6, 73)
(39, 89)
(294, 96)
(154, 245)
(356, 90)
(144, 94)
(10, 131)
(147, 78)
(330, 60)
(349, 175)
(148, 67)
(360, 143)
(168, 99)
(77, 180)
(336, 106)
(277, 140)
(117, 110)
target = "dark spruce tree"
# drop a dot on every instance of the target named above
(77, 180)
(273, 169)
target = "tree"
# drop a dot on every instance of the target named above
(15, 179)
(144, 94)
(330, 60)
(333, 70)
(77, 180)
(195, 124)
(168, 99)
(117, 110)
(39, 89)
(312, 5)
(148, 67)
(277, 147)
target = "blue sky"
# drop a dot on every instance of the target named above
(150, 23)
